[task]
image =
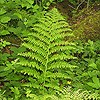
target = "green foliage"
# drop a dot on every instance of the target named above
(8, 77)
(46, 61)
(68, 94)
(87, 75)
(88, 27)
(16, 16)
(95, 83)
(3, 58)
(47, 53)
(3, 44)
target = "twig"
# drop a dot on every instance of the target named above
(88, 4)
(71, 6)
(80, 4)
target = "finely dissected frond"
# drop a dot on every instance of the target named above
(46, 49)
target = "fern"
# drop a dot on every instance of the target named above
(47, 53)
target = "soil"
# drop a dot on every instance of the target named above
(65, 8)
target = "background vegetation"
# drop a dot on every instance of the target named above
(46, 54)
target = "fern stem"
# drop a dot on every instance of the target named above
(46, 67)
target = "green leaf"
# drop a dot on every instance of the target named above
(4, 32)
(93, 65)
(18, 15)
(15, 90)
(30, 1)
(35, 8)
(1, 1)
(96, 81)
(5, 19)
(73, 2)
(92, 84)
(2, 11)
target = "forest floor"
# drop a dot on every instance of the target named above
(84, 18)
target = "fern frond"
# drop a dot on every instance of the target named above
(60, 64)
(35, 49)
(61, 56)
(33, 64)
(33, 56)
(28, 71)
(41, 37)
(57, 75)
(32, 85)
(42, 32)
(61, 43)
(42, 27)
(46, 51)
(53, 86)
(38, 42)
(60, 49)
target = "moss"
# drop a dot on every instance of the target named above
(89, 27)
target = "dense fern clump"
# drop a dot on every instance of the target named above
(45, 62)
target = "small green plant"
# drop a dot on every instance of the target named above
(3, 44)
(44, 63)
(7, 75)
(95, 83)
(3, 59)
(87, 75)
(16, 16)
(68, 94)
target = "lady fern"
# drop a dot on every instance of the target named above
(45, 61)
